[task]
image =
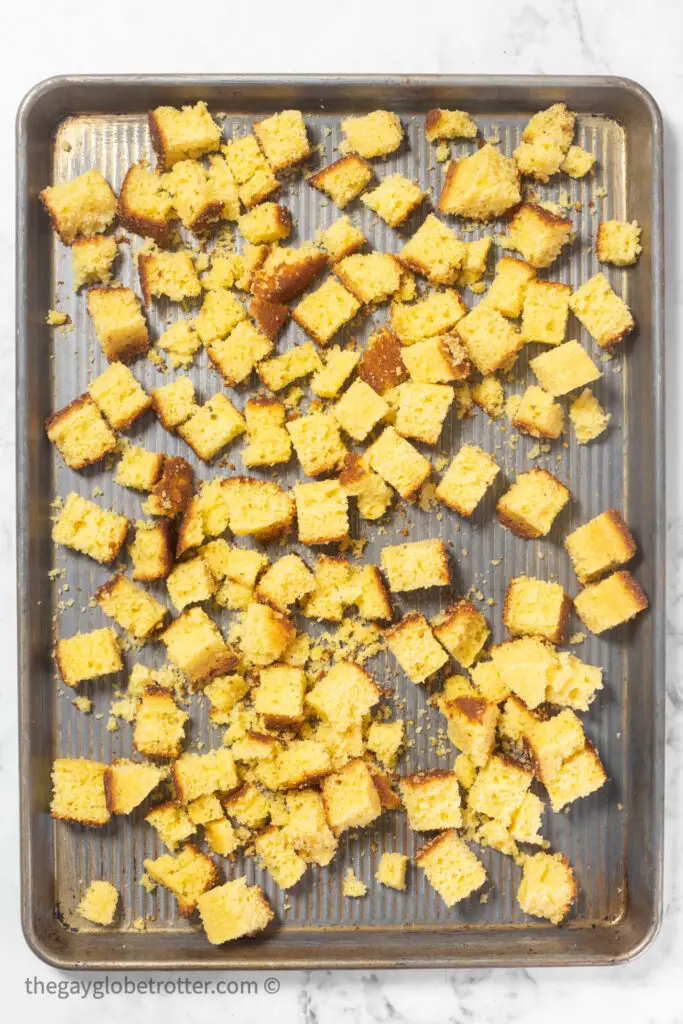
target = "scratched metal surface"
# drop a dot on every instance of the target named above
(317, 925)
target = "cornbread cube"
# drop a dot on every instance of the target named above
(435, 252)
(341, 239)
(370, 594)
(381, 364)
(588, 417)
(545, 312)
(196, 775)
(526, 824)
(536, 608)
(269, 317)
(489, 396)
(205, 809)
(573, 684)
(344, 696)
(331, 595)
(372, 494)
(488, 682)
(384, 739)
(474, 264)
(283, 370)
(509, 286)
(88, 656)
(282, 863)
(266, 634)
(84, 206)
(358, 411)
(175, 403)
(350, 797)
(224, 187)
(462, 630)
(618, 242)
(145, 207)
(233, 910)
(196, 646)
(99, 902)
(547, 888)
(415, 648)
(422, 409)
(480, 186)
(221, 312)
(577, 162)
(257, 507)
(322, 510)
(538, 414)
(89, 529)
(222, 838)
(451, 867)
(244, 158)
(471, 726)
(376, 134)
(190, 583)
(183, 134)
(539, 159)
(283, 139)
(119, 397)
(339, 365)
(431, 800)
(92, 259)
(286, 273)
(128, 604)
(236, 356)
(398, 462)
(279, 697)
(600, 546)
(286, 582)
(538, 234)
(437, 360)
(139, 469)
(467, 479)
(499, 789)
(391, 870)
(555, 122)
(172, 493)
(269, 443)
(194, 199)
(526, 667)
(343, 180)
(422, 563)
(449, 124)
(602, 312)
(317, 442)
(224, 692)
(168, 273)
(78, 792)
(394, 199)
(616, 599)
(119, 324)
(301, 763)
(305, 826)
(259, 187)
(187, 875)
(159, 727)
(266, 223)
(370, 277)
(533, 502)
(579, 776)
(554, 741)
(213, 426)
(128, 783)
(491, 340)
(243, 565)
(323, 312)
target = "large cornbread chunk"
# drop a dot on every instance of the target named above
(84, 206)
(471, 726)
(195, 646)
(268, 441)
(139, 469)
(579, 776)
(616, 599)
(381, 365)
(175, 402)
(398, 462)
(136, 611)
(588, 417)
(602, 312)
(266, 223)
(188, 874)
(236, 356)
(78, 792)
(341, 239)
(538, 414)
(434, 251)
(266, 634)
(257, 507)
(422, 409)
(358, 411)
(286, 273)
(547, 888)
(533, 502)
(283, 370)
(536, 608)
(221, 312)
(391, 870)
(449, 124)
(394, 199)
(282, 863)
(84, 526)
(467, 479)
(323, 312)
(526, 666)
(183, 134)
(196, 775)
(371, 277)
(128, 783)
(88, 656)
(618, 242)
(92, 259)
(491, 340)
(159, 727)
(499, 789)
(99, 902)
(145, 207)
(480, 186)
(173, 491)
(350, 797)
(279, 696)
(119, 397)
(233, 910)
(213, 426)
(119, 324)
(450, 867)
(415, 648)
(344, 696)
(376, 134)
(172, 823)
(343, 180)
(339, 365)
(539, 235)
(190, 582)
(322, 510)
(283, 139)
(194, 199)
(422, 563)
(431, 800)
(437, 360)
(545, 312)
(509, 286)
(462, 630)
(286, 582)
(600, 546)
(564, 368)
(170, 274)
(317, 442)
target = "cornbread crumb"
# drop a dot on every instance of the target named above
(269, 443)
(467, 479)
(509, 286)
(190, 582)
(480, 186)
(222, 837)
(180, 343)
(376, 134)
(422, 409)
(357, 412)
(285, 273)
(547, 888)
(371, 277)
(194, 197)
(233, 910)
(602, 312)
(283, 139)
(499, 789)
(99, 902)
(394, 199)
(437, 360)
(197, 775)
(221, 312)
(279, 696)
(530, 506)
(172, 493)
(266, 634)
(257, 507)
(450, 867)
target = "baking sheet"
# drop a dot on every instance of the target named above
(613, 839)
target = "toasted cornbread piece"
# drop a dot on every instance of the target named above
(196, 775)
(577, 162)
(286, 582)
(234, 910)
(384, 739)
(573, 684)
(437, 360)
(282, 370)
(139, 469)
(221, 312)
(322, 510)
(188, 874)
(183, 134)
(236, 356)
(259, 187)
(88, 656)
(491, 340)
(471, 726)
(279, 696)
(174, 403)
(191, 582)
(602, 312)
(339, 365)
(414, 646)
(564, 368)
(224, 692)
(222, 838)
(119, 397)
(616, 599)
(370, 594)
(391, 870)
(286, 273)
(422, 563)
(579, 776)
(317, 442)
(128, 783)
(195, 646)
(545, 312)
(145, 207)
(92, 259)
(99, 902)
(343, 180)
(344, 696)
(168, 273)
(119, 324)
(431, 800)
(536, 608)
(489, 396)
(435, 252)
(526, 666)
(370, 277)
(266, 634)
(588, 417)
(340, 239)
(376, 134)
(467, 479)
(84, 206)
(547, 888)
(499, 789)
(193, 195)
(509, 286)
(78, 792)
(257, 507)
(449, 124)
(213, 426)
(480, 186)
(538, 234)
(283, 139)
(538, 414)
(266, 223)
(526, 824)
(269, 443)
(398, 462)
(282, 863)
(600, 546)
(451, 867)
(462, 630)
(323, 312)
(357, 412)
(394, 199)
(172, 493)
(381, 365)
(152, 550)
(350, 797)
(136, 611)
(422, 409)
(85, 527)
(618, 242)
(269, 317)
(530, 506)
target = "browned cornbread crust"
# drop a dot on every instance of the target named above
(288, 281)
(175, 487)
(381, 365)
(165, 530)
(63, 414)
(125, 352)
(269, 317)
(160, 232)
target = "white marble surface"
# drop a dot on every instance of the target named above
(635, 39)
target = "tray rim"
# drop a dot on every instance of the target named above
(283, 960)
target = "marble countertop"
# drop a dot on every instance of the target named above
(491, 36)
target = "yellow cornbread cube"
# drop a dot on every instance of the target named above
(488, 682)
(257, 507)
(480, 186)
(119, 324)
(188, 874)
(371, 277)
(269, 222)
(499, 789)
(450, 867)
(183, 134)
(145, 207)
(609, 603)
(437, 360)
(448, 124)
(602, 312)
(244, 158)
(564, 368)
(344, 695)
(266, 634)
(579, 776)
(350, 797)
(171, 274)
(384, 739)
(282, 863)
(172, 493)
(213, 426)
(283, 139)
(526, 666)
(343, 180)
(222, 838)
(536, 608)
(491, 340)
(279, 696)
(394, 199)
(85, 527)
(283, 370)
(422, 409)
(539, 159)
(462, 630)
(322, 510)
(618, 242)
(398, 462)
(539, 234)
(83, 206)
(339, 365)
(588, 417)
(538, 414)
(545, 312)
(99, 902)
(196, 775)
(533, 502)
(286, 273)
(305, 826)
(474, 264)
(510, 285)
(467, 479)
(234, 910)
(358, 411)
(471, 726)
(78, 792)
(92, 259)
(577, 162)
(331, 595)
(373, 496)
(175, 402)
(194, 198)
(431, 800)
(437, 313)
(552, 742)
(268, 441)
(136, 611)
(88, 656)
(286, 582)
(376, 134)
(205, 809)
(190, 583)
(435, 252)
(422, 563)
(195, 646)
(248, 806)
(555, 123)
(573, 684)
(221, 312)
(236, 356)
(159, 726)
(128, 783)
(323, 312)
(340, 239)
(391, 870)
(224, 692)
(600, 546)
(317, 442)
(489, 396)
(381, 365)
(301, 763)
(547, 888)
(139, 469)
(119, 397)
(415, 648)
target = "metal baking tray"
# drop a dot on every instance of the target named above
(613, 839)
